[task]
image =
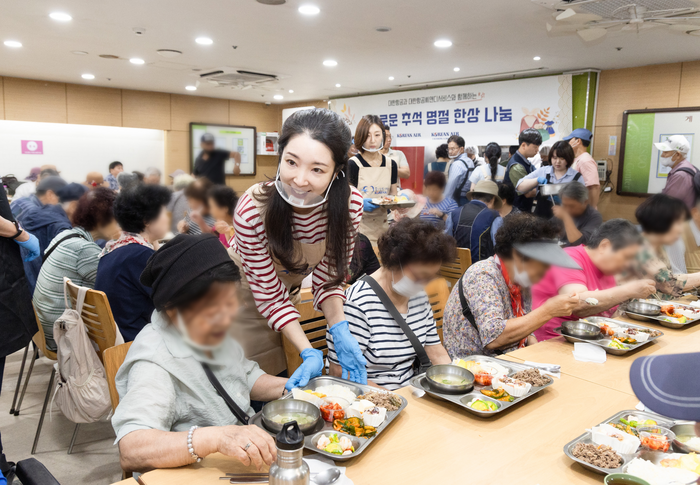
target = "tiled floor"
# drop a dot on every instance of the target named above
(95, 460)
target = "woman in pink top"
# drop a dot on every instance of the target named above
(611, 250)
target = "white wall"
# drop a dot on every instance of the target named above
(79, 149)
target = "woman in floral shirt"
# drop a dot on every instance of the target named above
(490, 310)
(661, 217)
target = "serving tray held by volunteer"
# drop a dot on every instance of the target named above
(305, 222)
(373, 174)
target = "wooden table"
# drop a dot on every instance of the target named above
(614, 373)
(435, 442)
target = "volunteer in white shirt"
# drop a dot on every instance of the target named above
(397, 156)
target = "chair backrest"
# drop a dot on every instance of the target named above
(314, 325)
(97, 316)
(113, 358)
(452, 272)
(438, 293)
(39, 339)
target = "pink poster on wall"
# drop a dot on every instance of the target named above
(32, 147)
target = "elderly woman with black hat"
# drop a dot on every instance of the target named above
(185, 386)
(490, 309)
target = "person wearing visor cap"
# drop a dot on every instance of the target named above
(185, 385)
(373, 174)
(489, 310)
(304, 223)
(211, 161)
(580, 140)
(609, 252)
(674, 156)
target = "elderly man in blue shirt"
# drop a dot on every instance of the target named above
(460, 169)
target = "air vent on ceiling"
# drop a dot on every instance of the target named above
(237, 78)
(109, 56)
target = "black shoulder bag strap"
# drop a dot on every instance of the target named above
(48, 253)
(577, 176)
(423, 359)
(467, 312)
(242, 417)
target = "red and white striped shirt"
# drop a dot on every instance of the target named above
(250, 242)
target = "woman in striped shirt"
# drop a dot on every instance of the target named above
(412, 252)
(197, 218)
(303, 223)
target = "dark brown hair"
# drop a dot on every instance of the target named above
(435, 178)
(562, 149)
(326, 127)
(198, 190)
(362, 130)
(415, 241)
(95, 208)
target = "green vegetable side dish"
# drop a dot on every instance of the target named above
(481, 405)
(300, 418)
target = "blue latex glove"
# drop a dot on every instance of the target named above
(32, 247)
(349, 354)
(368, 206)
(542, 180)
(311, 367)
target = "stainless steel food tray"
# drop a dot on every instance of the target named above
(325, 427)
(626, 458)
(405, 204)
(463, 399)
(604, 341)
(660, 318)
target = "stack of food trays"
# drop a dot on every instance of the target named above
(616, 337)
(351, 415)
(495, 386)
(644, 444)
(670, 314)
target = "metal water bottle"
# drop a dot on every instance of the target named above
(290, 469)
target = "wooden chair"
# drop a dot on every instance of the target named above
(452, 272)
(438, 293)
(314, 325)
(113, 360)
(102, 330)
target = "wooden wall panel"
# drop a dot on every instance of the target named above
(187, 109)
(636, 88)
(263, 118)
(177, 148)
(30, 100)
(266, 170)
(93, 105)
(690, 84)
(2, 101)
(146, 109)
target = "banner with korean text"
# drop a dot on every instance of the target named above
(481, 113)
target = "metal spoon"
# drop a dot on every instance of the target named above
(326, 477)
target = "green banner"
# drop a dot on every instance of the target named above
(639, 141)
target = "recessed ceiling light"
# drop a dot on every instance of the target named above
(278, 96)
(291, 91)
(309, 10)
(337, 85)
(79, 53)
(456, 69)
(191, 88)
(442, 43)
(12, 43)
(536, 58)
(383, 29)
(136, 60)
(391, 78)
(60, 16)
(330, 63)
(204, 41)
(88, 76)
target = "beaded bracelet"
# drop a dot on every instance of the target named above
(190, 448)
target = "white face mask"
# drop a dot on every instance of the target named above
(452, 157)
(667, 161)
(372, 150)
(522, 279)
(302, 200)
(186, 337)
(406, 286)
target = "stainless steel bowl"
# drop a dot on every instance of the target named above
(644, 308)
(551, 189)
(451, 370)
(272, 409)
(582, 330)
(683, 430)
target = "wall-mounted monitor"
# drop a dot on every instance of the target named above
(239, 141)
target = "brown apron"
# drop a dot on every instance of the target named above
(251, 330)
(374, 182)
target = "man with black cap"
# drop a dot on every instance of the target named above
(47, 221)
(211, 161)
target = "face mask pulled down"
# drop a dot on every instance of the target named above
(406, 286)
(186, 337)
(300, 199)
